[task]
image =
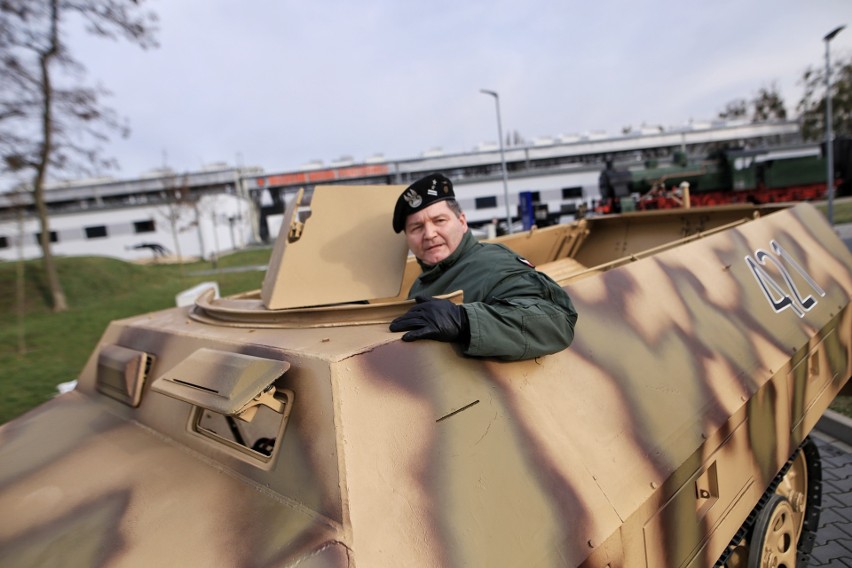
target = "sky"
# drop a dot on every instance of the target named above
(280, 83)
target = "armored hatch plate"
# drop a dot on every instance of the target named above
(337, 256)
(220, 381)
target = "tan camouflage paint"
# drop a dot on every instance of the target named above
(681, 377)
(312, 257)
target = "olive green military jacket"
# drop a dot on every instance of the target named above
(514, 311)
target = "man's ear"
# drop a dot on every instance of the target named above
(463, 220)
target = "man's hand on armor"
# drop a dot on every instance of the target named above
(441, 320)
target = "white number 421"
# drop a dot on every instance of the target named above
(782, 295)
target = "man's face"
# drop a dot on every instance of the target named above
(434, 233)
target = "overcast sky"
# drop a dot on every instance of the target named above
(280, 83)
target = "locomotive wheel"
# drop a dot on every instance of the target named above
(776, 532)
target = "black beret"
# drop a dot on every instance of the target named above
(420, 195)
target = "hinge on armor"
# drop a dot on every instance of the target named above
(266, 398)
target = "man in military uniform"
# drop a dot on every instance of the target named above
(511, 311)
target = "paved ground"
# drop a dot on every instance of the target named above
(845, 233)
(833, 548)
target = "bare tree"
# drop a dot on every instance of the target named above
(812, 106)
(182, 211)
(20, 275)
(49, 123)
(768, 105)
(735, 109)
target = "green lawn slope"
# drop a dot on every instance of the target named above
(99, 290)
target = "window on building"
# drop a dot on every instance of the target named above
(144, 226)
(97, 232)
(486, 202)
(53, 237)
(4, 242)
(536, 196)
(572, 192)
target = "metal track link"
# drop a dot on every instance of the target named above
(814, 505)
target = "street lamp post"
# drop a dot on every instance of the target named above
(829, 142)
(502, 157)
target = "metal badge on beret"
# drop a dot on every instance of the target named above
(419, 195)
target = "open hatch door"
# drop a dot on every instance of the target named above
(345, 250)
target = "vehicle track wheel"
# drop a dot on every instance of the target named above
(783, 527)
(807, 469)
(776, 533)
(795, 487)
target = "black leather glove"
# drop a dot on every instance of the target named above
(441, 320)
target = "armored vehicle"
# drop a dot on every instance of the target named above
(289, 427)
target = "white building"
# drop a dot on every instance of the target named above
(222, 209)
(193, 216)
(214, 225)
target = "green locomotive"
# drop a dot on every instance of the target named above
(758, 175)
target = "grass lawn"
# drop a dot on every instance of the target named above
(100, 290)
(841, 210)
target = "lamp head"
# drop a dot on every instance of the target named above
(832, 33)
